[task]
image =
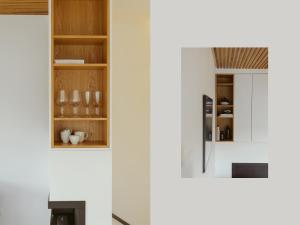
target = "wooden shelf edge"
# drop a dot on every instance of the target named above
(80, 66)
(80, 36)
(225, 85)
(78, 146)
(80, 119)
(103, 147)
(79, 39)
(225, 105)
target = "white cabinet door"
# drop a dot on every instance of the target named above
(242, 107)
(260, 108)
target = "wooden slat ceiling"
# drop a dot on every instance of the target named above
(24, 7)
(241, 58)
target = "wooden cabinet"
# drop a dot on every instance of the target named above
(225, 102)
(243, 107)
(260, 108)
(80, 30)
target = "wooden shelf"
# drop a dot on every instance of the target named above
(80, 66)
(80, 119)
(86, 144)
(224, 105)
(79, 39)
(219, 117)
(225, 84)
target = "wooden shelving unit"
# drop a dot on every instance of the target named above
(224, 89)
(80, 30)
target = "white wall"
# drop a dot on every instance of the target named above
(197, 79)
(131, 66)
(83, 175)
(24, 114)
(176, 24)
(228, 153)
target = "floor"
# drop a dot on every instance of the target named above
(114, 222)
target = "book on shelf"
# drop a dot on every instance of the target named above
(69, 61)
(223, 115)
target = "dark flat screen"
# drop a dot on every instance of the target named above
(249, 170)
(207, 130)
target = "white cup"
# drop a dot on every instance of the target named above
(82, 135)
(65, 135)
(74, 139)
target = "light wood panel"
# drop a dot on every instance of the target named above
(79, 39)
(24, 7)
(78, 17)
(241, 58)
(91, 53)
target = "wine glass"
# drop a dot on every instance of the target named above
(97, 100)
(61, 101)
(75, 101)
(87, 100)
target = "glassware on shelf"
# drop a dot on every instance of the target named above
(87, 101)
(97, 101)
(75, 101)
(61, 101)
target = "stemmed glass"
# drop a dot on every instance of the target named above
(61, 101)
(87, 101)
(97, 100)
(75, 101)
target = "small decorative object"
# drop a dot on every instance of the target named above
(69, 61)
(65, 135)
(224, 101)
(209, 136)
(227, 111)
(222, 136)
(87, 101)
(82, 135)
(74, 139)
(227, 133)
(62, 220)
(61, 101)
(225, 115)
(75, 101)
(218, 134)
(97, 99)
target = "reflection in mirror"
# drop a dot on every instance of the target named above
(224, 112)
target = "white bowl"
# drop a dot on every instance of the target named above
(74, 139)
